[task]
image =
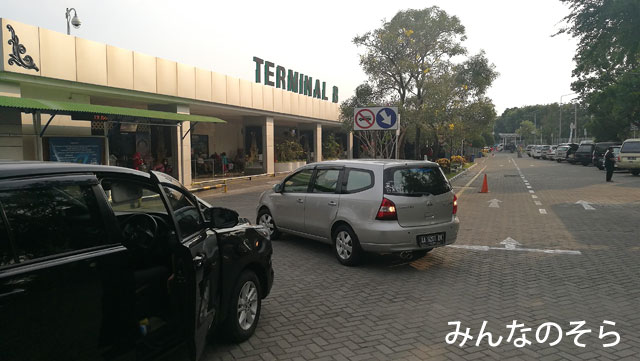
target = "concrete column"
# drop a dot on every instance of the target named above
(350, 145)
(268, 146)
(317, 135)
(181, 152)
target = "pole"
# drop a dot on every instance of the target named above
(575, 117)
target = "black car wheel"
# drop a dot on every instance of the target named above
(635, 172)
(266, 219)
(244, 308)
(346, 246)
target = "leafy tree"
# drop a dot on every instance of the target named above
(608, 45)
(401, 56)
(526, 131)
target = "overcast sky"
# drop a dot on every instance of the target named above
(315, 37)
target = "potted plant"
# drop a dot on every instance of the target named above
(289, 155)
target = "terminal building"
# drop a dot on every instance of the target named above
(65, 98)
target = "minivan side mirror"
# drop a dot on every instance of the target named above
(221, 217)
(277, 188)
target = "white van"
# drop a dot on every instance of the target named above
(629, 157)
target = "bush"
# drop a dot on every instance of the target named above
(331, 148)
(457, 159)
(444, 163)
(289, 150)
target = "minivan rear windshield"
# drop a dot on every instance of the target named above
(415, 181)
(585, 148)
(630, 147)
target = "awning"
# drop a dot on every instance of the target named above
(78, 109)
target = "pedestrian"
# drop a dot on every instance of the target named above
(609, 161)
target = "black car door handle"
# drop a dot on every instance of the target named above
(11, 293)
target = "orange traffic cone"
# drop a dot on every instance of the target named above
(485, 187)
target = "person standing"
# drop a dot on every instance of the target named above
(609, 161)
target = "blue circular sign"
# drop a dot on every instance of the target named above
(386, 118)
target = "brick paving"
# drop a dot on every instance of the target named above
(389, 309)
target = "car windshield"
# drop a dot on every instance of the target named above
(584, 148)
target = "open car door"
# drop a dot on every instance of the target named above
(197, 263)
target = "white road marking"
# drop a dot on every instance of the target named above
(494, 203)
(511, 244)
(531, 191)
(586, 205)
(538, 203)
(529, 187)
(534, 196)
(542, 211)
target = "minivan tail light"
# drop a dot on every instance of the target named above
(455, 204)
(387, 210)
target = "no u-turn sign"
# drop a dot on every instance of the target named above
(376, 118)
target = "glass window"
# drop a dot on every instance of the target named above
(326, 181)
(415, 181)
(299, 182)
(128, 196)
(185, 211)
(631, 147)
(6, 256)
(46, 221)
(358, 180)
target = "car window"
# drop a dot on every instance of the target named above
(299, 182)
(6, 256)
(141, 198)
(50, 220)
(185, 211)
(630, 147)
(326, 181)
(584, 148)
(358, 180)
(415, 181)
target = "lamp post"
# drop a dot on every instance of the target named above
(560, 126)
(72, 21)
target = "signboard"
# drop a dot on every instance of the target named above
(76, 150)
(376, 118)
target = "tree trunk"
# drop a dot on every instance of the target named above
(400, 144)
(418, 152)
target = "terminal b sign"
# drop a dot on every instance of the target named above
(376, 118)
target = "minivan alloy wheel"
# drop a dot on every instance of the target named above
(267, 221)
(344, 245)
(247, 305)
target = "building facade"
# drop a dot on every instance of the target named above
(103, 104)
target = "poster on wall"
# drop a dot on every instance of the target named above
(76, 150)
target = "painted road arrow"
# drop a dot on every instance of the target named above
(510, 243)
(586, 205)
(494, 203)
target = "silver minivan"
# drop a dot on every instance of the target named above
(382, 206)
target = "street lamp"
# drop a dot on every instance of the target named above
(560, 126)
(73, 21)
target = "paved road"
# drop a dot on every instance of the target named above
(387, 309)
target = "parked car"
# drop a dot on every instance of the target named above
(584, 153)
(544, 150)
(383, 206)
(565, 151)
(101, 262)
(529, 149)
(536, 153)
(629, 157)
(616, 152)
(551, 154)
(598, 153)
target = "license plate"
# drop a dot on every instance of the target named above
(431, 240)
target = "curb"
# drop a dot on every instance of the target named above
(206, 188)
(461, 173)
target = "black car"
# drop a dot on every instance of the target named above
(598, 152)
(583, 154)
(104, 263)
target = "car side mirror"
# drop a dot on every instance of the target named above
(221, 217)
(277, 188)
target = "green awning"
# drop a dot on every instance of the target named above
(67, 108)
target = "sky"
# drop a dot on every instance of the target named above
(315, 38)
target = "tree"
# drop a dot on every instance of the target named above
(526, 131)
(402, 55)
(608, 46)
